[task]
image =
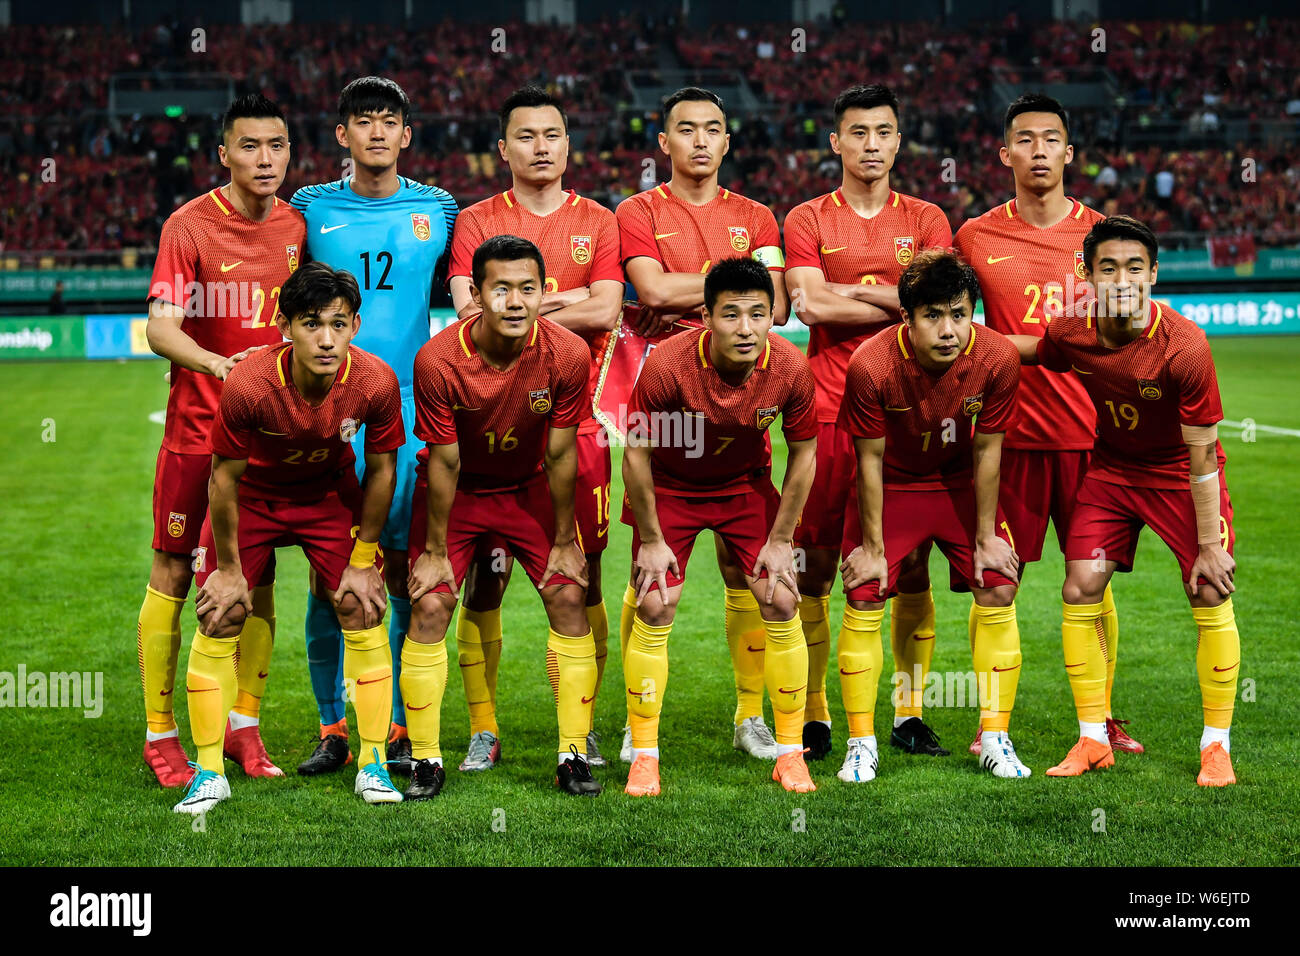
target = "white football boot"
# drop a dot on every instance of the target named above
(207, 789)
(860, 762)
(998, 757)
(755, 738)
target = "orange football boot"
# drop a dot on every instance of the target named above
(643, 778)
(1216, 767)
(1087, 754)
(792, 773)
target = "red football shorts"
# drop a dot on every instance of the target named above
(743, 522)
(325, 530)
(1036, 486)
(180, 500)
(822, 523)
(1109, 518)
(522, 519)
(591, 498)
(945, 516)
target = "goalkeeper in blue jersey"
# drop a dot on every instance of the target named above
(393, 234)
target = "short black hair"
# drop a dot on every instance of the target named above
(505, 249)
(738, 274)
(1119, 227)
(865, 98)
(250, 106)
(1036, 103)
(373, 94)
(314, 286)
(528, 97)
(934, 276)
(690, 94)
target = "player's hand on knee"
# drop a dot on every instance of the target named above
(366, 586)
(567, 560)
(653, 562)
(995, 554)
(862, 566)
(1217, 566)
(223, 590)
(428, 571)
(777, 559)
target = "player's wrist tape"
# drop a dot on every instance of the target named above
(1205, 499)
(363, 553)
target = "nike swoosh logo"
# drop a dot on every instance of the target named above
(375, 681)
(324, 228)
(262, 675)
(227, 268)
(163, 693)
(601, 534)
(903, 408)
(274, 434)
(664, 235)
(917, 637)
(1223, 669)
(998, 670)
(196, 690)
(755, 650)
(783, 690)
(994, 261)
(827, 252)
(463, 408)
(851, 673)
(588, 700)
(1080, 664)
(1079, 370)
(425, 707)
(815, 643)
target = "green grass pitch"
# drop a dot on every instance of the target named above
(75, 554)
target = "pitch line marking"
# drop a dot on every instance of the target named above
(1271, 429)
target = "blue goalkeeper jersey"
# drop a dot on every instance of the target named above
(392, 246)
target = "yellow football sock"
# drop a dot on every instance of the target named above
(746, 638)
(211, 685)
(645, 668)
(599, 622)
(814, 614)
(785, 669)
(574, 662)
(423, 682)
(861, 658)
(368, 666)
(997, 664)
(626, 615)
(489, 628)
(474, 631)
(252, 662)
(911, 637)
(1083, 638)
(1110, 623)
(158, 644)
(1218, 660)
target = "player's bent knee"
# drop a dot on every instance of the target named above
(171, 574)
(657, 609)
(1079, 590)
(230, 625)
(430, 616)
(866, 605)
(1003, 595)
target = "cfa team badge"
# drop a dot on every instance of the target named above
(1079, 270)
(970, 407)
(1149, 388)
(904, 249)
(292, 252)
(420, 223)
(175, 524)
(348, 430)
(767, 416)
(739, 237)
(539, 400)
(580, 249)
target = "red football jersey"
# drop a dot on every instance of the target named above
(499, 418)
(579, 244)
(928, 422)
(225, 271)
(1028, 276)
(683, 237)
(710, 438)
(297, 451)
(1143, 393)
(825, 233)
